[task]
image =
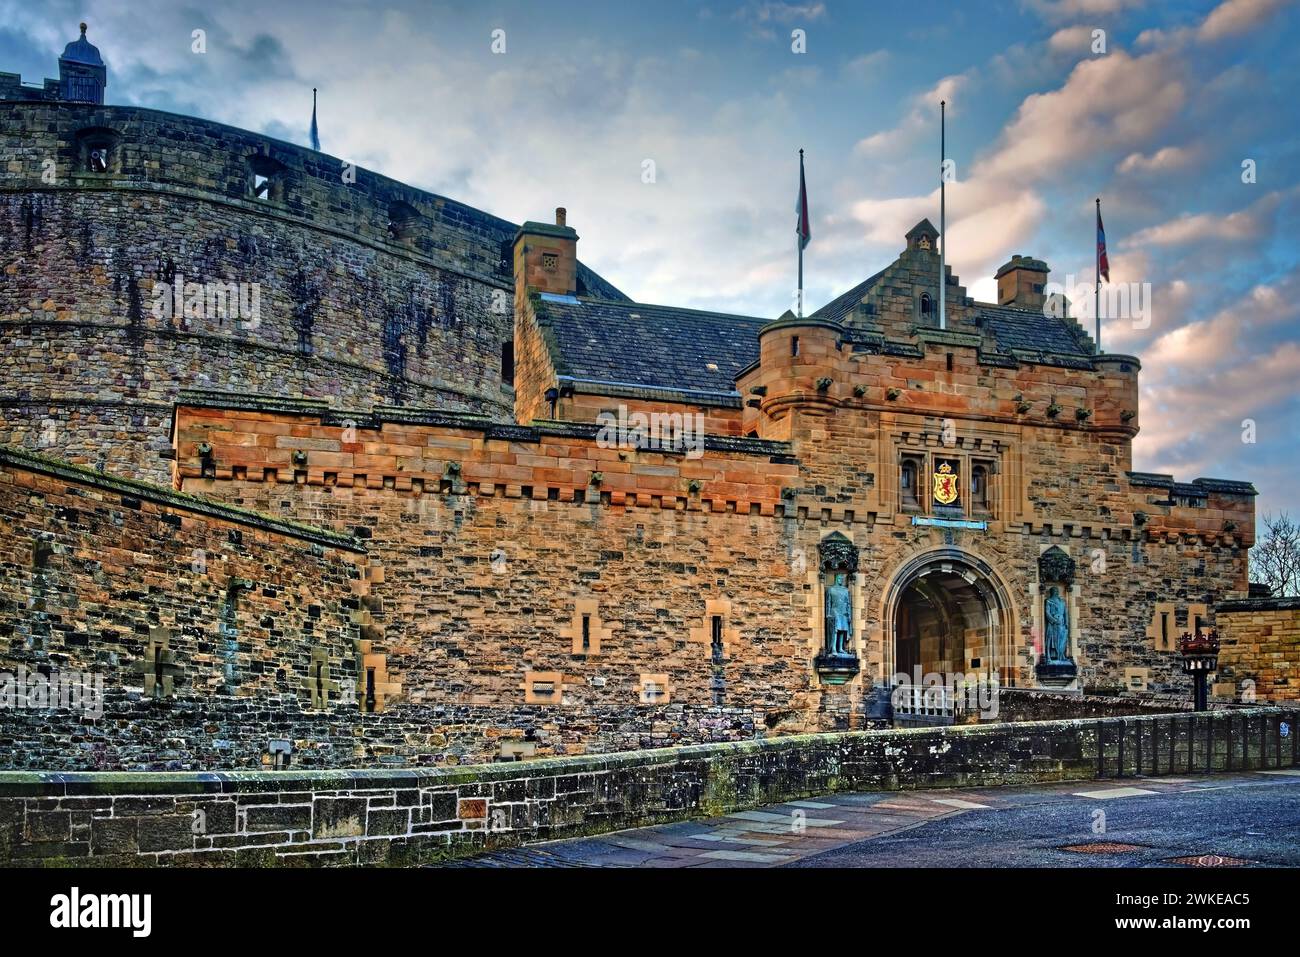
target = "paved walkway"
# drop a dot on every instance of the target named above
(1141, 821)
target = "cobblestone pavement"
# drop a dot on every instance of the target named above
(1235, 819)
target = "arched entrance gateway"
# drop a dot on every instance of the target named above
(948, 614)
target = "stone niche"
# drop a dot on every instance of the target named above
(838, 661)
(1055, 602)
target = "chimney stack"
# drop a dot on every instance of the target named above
(546, 257)
(1022, 282)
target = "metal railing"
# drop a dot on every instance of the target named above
(1230, 740)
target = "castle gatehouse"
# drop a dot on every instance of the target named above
(387, 520)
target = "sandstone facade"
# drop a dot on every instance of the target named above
(421, 540)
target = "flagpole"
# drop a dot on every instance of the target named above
(798, 239)
(1096, 307)
(315, 130)
(943, 236)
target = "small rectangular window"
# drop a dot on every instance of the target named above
(717, 637)
(508, 362)
(909, 482)
(794, 345)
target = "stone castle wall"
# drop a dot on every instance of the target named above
(129, 583)
(1260, 649)
(495, 541)
(348, 310)
(513, 590)
(403, 817)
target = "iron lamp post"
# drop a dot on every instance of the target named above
(1200, 657)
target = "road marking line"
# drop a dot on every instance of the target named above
(815, 805)
(1113, 793)
(1289, 772)
(786, 820)
(753, 856)
(959, 803)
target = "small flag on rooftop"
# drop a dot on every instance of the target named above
(1103, 264)
(802, 229)
(804, 226)
(1103, 272)
(315, 131)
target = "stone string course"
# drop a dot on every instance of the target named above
(403, 817)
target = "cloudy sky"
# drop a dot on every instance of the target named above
(1040, 121)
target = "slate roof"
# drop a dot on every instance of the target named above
(1011, 329)
(841, 308)
(1031, 330)
(635, 344)
(602, 337)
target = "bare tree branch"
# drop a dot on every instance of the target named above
(1275, 558)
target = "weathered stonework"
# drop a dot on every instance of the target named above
(350, 310)
(402, 817)
(464, 566)
(1260, 649)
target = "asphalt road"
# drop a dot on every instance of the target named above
(1246, 819)
(1236, 821)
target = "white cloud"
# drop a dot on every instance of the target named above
(1071, 40)
(922, 115)
(1108, 103)
(1250, 223)
(1071, 9)
(1165, 159)
(1237, 16)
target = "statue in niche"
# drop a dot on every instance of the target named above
(839, 618)
(1056, 615)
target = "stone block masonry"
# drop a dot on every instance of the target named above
(201, 622)
(370, 291)
(206, 623)
(493, 537)
(1260, 655)
(404, 817)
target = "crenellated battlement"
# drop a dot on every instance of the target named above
(419, 452)
(819, 364)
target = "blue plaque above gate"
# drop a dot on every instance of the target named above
(949, 523)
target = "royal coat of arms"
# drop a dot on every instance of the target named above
(945, 484)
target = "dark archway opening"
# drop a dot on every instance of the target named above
(944, 625)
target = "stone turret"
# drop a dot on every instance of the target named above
(82, 74)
